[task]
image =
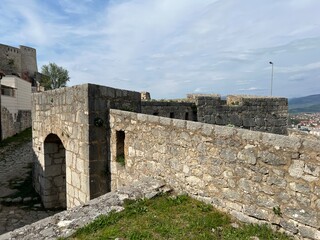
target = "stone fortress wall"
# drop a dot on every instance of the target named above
(255, 176)
(173, 109)
(18, 60)
(79, 139)
(266, 114)
(11, 126)
(70, 140)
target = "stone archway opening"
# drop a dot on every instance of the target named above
(55, 173)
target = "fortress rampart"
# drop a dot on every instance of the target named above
(85, 146)
(19, 61)
(265, 114)
(173, 109)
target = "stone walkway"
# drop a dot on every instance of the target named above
(15, 167)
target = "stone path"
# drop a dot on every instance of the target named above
(15, 167)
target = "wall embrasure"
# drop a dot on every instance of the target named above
(255, 176)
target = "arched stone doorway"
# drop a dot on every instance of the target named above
(54, 194)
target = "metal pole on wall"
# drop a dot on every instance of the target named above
(271, 77)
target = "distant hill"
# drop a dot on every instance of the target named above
(305, 104)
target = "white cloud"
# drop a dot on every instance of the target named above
(173, 47)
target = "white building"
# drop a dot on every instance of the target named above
(15, 94)
(15, 105)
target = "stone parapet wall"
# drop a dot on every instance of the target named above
(7, 124)
(178, 110)
(264, 114)
(255, 113)
(24, 120)
(257, 177)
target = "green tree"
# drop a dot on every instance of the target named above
(53, 76)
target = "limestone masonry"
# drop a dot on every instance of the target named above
(70, 139)
(19, 61)
(89, 140)
(266, 114)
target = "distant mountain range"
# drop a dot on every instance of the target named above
(309, 104)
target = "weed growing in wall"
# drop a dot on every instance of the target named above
(277, 211)
(121, 160)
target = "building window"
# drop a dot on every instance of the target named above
(186, 116)
(172, 115)
(8, 91)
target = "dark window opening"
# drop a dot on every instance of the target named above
(120, 154)
(155, 113)
(186, 116)
(8, 91)
(172, 115)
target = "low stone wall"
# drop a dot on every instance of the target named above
(67, 222)
(24, 120)
(253, 175)
(10, 126)
(7, 124)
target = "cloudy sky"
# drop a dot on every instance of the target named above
(174, 47)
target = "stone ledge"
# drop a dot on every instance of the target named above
(67, 222)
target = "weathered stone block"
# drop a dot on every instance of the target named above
(299, 187)
(305, 216)
(258, 213)
(309, 232)
(296, 168)
(229, 155)
(272, 159)
(248, 156)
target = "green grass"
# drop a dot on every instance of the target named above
(17, 139)
(171, 217)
